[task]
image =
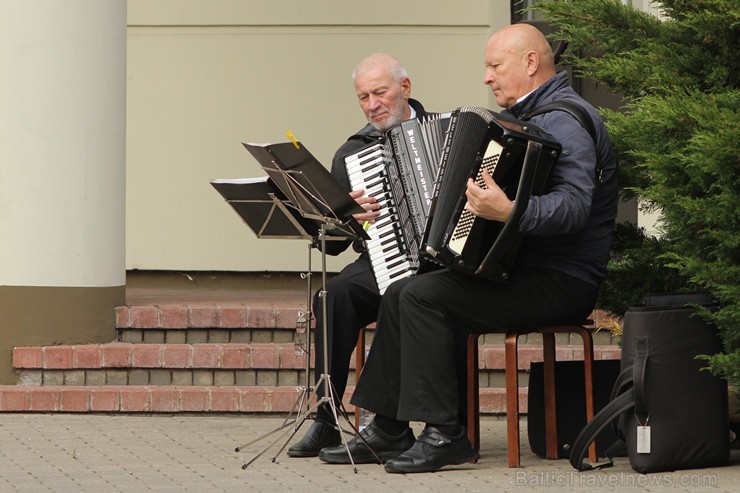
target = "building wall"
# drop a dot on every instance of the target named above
(203, 77)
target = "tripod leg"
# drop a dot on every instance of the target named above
(299, 405)
(300, 400)
(297, 422)
(269, 445)
(303, 419)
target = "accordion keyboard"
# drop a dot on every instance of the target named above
(465, 223)
(386, 246)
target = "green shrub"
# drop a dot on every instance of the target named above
(676, 139)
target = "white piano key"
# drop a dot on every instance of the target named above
(392, 275)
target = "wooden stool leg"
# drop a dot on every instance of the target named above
(512, 398)
(551, 431)
(359, 363)
(588, 362)
(473, 407)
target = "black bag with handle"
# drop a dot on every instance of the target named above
(570, 404)
(669, 412)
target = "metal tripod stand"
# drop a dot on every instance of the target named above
(301, 410)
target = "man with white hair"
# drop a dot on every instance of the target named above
(383, 90)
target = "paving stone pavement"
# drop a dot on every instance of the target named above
(66, 453)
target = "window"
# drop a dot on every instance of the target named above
(517, 14)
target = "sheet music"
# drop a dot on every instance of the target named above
(297, 197)
(241, 181)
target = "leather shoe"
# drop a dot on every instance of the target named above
(432, 451)
(383, 445)
(318, 436)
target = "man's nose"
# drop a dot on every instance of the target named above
(489, 76)
(374, 102)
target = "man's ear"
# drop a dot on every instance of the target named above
(406, 87)
(533, 62)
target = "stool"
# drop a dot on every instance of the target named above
(359, 364)
(512, 387)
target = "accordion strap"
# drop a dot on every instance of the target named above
(579, 113)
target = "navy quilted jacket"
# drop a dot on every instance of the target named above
(569, 227)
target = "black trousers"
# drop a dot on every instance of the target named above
(352, 302)
(411, 371)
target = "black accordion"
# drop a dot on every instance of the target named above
(419, 173)
(518, 156)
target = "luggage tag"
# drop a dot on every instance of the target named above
(643, 436)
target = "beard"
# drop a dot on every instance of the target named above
(395, 116)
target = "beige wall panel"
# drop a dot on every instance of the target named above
(195, 93)
(312, 12)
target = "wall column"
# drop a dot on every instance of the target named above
(62, 172)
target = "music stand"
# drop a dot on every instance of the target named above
(264, 208)
(299, 199)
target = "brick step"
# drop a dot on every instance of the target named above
(279, 335)
(208, 323)
(206, 315)
(206, 335)
(168, 399)
(116, 364)
(127, 355)
(275, 335)
(182, 323)
(235, 356)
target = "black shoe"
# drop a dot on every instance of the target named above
(432, 451)
(384, 445)
(318, 436)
